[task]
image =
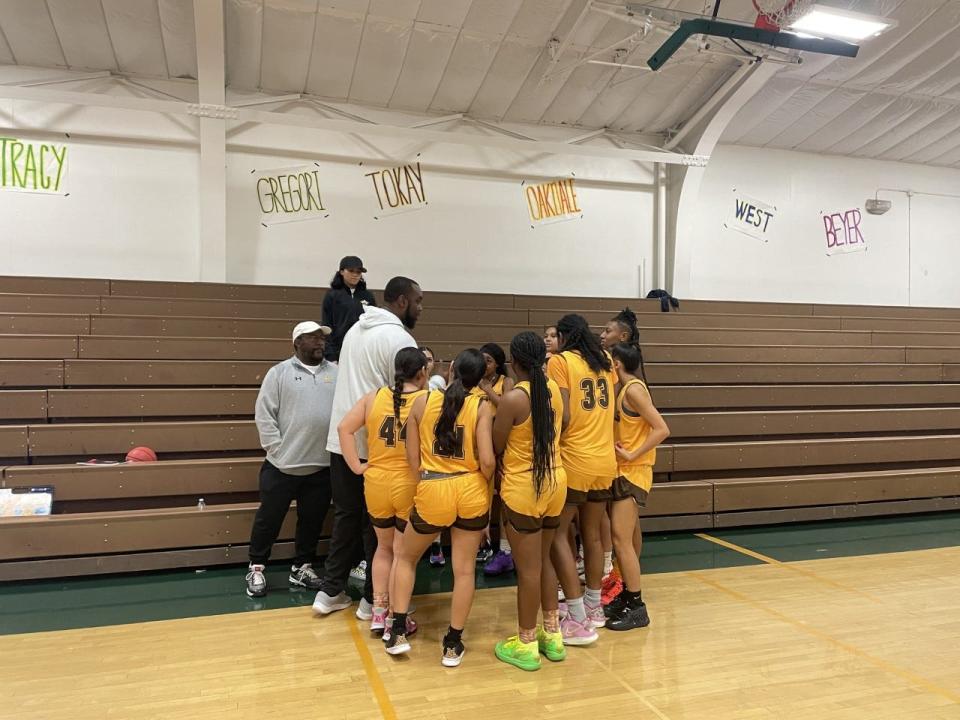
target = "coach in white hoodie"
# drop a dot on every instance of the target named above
(366, 364)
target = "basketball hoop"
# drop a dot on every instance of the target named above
(776, 14)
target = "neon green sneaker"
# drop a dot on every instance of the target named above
(515, 652)
(551, 644)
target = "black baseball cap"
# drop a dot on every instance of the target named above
(352, 261)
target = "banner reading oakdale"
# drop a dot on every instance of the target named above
(290, 194)
(398, 189)
(551, 202)
(33, 167)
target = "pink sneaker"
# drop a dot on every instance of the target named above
(388, 623)
(379, 620)
(575, 633)
(595, 615)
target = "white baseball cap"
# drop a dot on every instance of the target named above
(310, 326)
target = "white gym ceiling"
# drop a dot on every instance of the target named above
(486, 58)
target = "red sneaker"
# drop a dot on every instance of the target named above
(611, 587)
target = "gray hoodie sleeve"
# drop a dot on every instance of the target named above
(267, 409)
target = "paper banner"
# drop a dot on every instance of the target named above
(551, 202)
(397, 190)
(289, 194)
(33, 167)
(749, 216)
(842, 232)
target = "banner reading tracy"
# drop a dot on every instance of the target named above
(33, 167)
(551, 202)
(289, 194)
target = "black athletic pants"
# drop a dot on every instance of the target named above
(277, 491)
(353, 538)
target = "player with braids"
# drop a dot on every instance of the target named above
(388, 486)
(533, 489)
(584, 373)
(622, 328)
(449, 447)
(639, 429)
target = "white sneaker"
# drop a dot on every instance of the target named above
(364, 610)
(359, 573)
(324, 604)
(256, 581)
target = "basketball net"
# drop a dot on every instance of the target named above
(775, 14)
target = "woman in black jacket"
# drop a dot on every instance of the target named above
(344, 303)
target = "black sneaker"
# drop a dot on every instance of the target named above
(615, 607)
(304, 577)
(397, 643)
(452, 654)
(632, 616)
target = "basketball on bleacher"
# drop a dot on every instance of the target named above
(141, 454)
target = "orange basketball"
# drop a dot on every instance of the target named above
(141, 454)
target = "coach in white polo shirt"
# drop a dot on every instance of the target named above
(293, 418)
(366, 364)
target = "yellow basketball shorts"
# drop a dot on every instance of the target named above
(584, 487)
(528, 513)
(389, 497)
(634, 481)
(460, 501)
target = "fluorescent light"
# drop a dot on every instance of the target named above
(832, 22)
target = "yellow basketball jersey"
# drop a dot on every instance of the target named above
(518, 455)
(464, 458)
(386, 438)
(587, 444)
(632, 429)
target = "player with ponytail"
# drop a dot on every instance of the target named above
(533, 490)
(449, 447)
(639, 429)
(584, 373)
(388, 486)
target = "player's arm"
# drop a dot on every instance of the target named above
(638, 400)
(413, 435)
(355, 419)
(488, 461)
(557, 371)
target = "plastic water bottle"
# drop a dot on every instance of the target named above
(201, 504)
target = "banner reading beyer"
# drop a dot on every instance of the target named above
(289, 194)
(33, 167)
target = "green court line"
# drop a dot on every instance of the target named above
(119, 599)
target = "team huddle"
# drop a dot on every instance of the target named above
(567, 446)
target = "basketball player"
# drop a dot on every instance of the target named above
(388, 484)
(533, 489)
(584, 373)
(449, 445)
(550, 340)
(639, 429)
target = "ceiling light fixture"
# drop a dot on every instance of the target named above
(825, 21)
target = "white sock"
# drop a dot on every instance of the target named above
(607, 562)
(504, 545)
(576, 609)
(592, 597)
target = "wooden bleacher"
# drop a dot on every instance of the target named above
(780, 412)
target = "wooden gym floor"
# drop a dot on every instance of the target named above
(830, 620)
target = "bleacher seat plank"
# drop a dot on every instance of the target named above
(23, 405)
(951, 373)
(67, 304)
(189, 326)
(543, 318)
(53, 286)
(716, 397)
(903, 324)
(116, 305)
(933, 354)
(38, 347)
(834, 488)
(465, 300)
(105, 373)
(200, 478)
(754, 423)
(729, 307)
(917, 339)
(31, 373)
(104, 347)
(44, 324)
(130, 531)
(679, 498)
(115, 439)
(140, 402)
(216, 291)
(689, 457)
(13, 442)
(720, 373)
(887, 311)
(836, 512)
(771, 354)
